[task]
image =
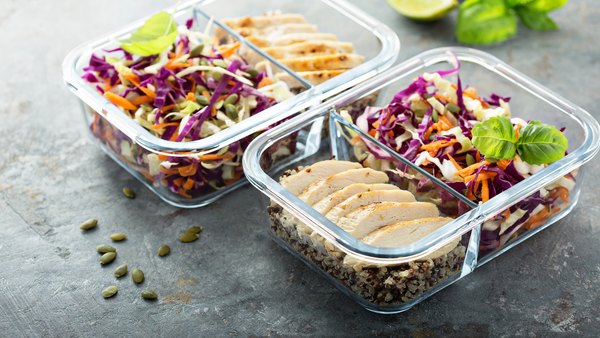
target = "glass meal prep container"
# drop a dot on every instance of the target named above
(400, 277)
(141, 153)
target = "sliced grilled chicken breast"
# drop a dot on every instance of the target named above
(326, 204)
(298, 182)
(264, 21)
(404, 233)
(366, 219)
(307, 48)
(319, 62)
(367, 198)
(278, 30)
(325, 186)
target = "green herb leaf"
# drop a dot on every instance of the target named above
(540, 143)
(485, 21)
(158, 33)
(546, 5)
(534, 19)
(514, 3)
(495, 138)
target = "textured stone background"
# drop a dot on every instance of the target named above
(235, 281)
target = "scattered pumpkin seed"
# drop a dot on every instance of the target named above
(195, 230)
(121, 270)
(427, 96)
(189, 237)
(129, 193)
(201, 99)
(176, 108)
(197, 50)
(118, 237)
(164, 250)
(232, 112)
(149, 294)
(220, 63)
(217, 76)
(104, 248)
(470, 159)
(137, 275)
(107, 257)
(222, 151)
(452, 107)
(204, 62)
(200, 89)
(90, 223)
(231, 99)
(110, 291)
(434, 116)
(252, 72)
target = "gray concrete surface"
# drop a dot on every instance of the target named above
(235, 281)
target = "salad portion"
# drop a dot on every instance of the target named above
(181, 85)
(471, 143)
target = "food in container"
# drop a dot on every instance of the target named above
(155, 156)
(317, 237)
(363, 203)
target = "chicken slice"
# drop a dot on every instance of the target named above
(278, 30)
(326, 204)
(325, 186)
(367, 198)
(298, 182)
(404, 233)
(366, 219)
(312, 47)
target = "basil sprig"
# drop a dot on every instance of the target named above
(491, 21)
(538, 143)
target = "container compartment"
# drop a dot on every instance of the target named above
(138, 151)
(472, 221)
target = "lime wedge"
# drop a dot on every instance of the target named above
(423, 10)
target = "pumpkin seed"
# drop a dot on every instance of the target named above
(121, 270)
(104, 248)
(220, 63)
(107, 257)
(189, 237)
(129, 193)
(427, 96)
(90, 223)
(148, 108)
(197, 50)
(452, 107)
(222, 151)
(149, 294)
(110, 291)
(118, 237)
(137, 275)
(164, 250)
(195, 230)
(200, 89)
(232, 112)
(204, 62)
(434, 116)
(201, 99)
(231, 99)
(252, 72)
(176, 108)
(217, 76)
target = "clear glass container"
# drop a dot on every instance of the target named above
(133, 147)
(488, 75)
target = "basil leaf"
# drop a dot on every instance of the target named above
(534, 19)
(157, 33)
(495, 138)
(514, 3)
(540, 143)
(546, 5)
(485, 21)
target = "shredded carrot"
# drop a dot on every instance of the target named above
(178, 181)
(454, 86)
(164, 125)
(373, 133)
(162, 157)
(174, 136)
(136, 82)
(169, 171)
(461, 158)
(189, 184)
(120, 101)
(485, 192)
(213, 111)
(502, 164)
(212, 157)
(478, 156)
(190, 97)
(437, 145)
(446, 121)
(141, 99)
(226, 52)
(265, 82)
(472, 93)
(179, 49)
(354, 141)
(131, 77)
(484, 175)
(517, 128)
(172, 66)
(444, 97)
(236, 177)
(436, 126)
(563, 194)
(470, 169)
(454, 162)
(506, 213)
(109, 86)
(206, 94)
(533, 223)
(222, 97)
(184, 194)
(188, 170)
